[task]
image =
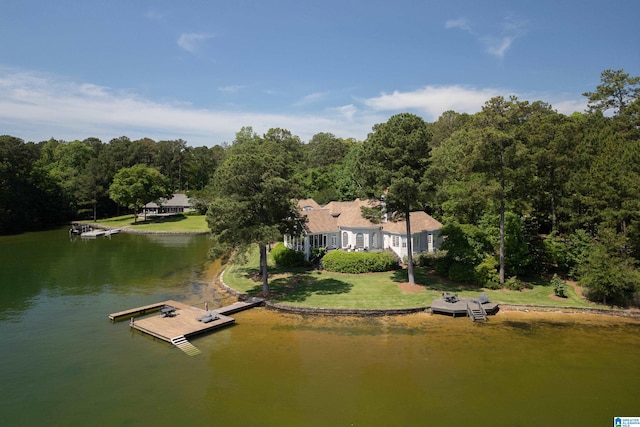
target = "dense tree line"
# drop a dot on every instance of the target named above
(523, 190)
(50, 182)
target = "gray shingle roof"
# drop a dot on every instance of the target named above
(178, 199)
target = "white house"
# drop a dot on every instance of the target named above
(177, 204)
(340, 225)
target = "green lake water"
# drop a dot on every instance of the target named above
(63, 363)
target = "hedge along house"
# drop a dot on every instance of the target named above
(179, 203)
(340, 225)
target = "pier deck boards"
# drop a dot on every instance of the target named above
(459, 308)
(138, 311)
(239, 306)
(184, 321)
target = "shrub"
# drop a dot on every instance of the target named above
(429, 259)
(285, 257)
(317, 253)
(559, 287)
(460, 272)
(359, 262)
(514, 284)
(487, 273)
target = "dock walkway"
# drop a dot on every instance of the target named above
(138, 311)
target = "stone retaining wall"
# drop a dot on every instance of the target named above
(344, 311)
(401, 311)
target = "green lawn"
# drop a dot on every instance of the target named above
(172, 224)
(323, 289)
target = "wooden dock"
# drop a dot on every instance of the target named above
(135, 312)
(239, 306)
(184, 322)
(460, 307)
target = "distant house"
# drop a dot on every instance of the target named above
(340, 225)
(177, 204)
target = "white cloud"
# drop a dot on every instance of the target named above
(434, 100)
(496, 45)
(347, 111)
(191, 42)
(36, 107)
(310, 99)
(460, 23)
(561, 102)
(231, 88)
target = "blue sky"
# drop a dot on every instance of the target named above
(200, 70)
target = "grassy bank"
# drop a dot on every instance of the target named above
(322, 289)
(170, 224)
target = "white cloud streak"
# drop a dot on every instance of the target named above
(231, 88)
(434, 100)
(192, 42)
(510, 30)
(460, 23)
(310, 99)
(36, 107)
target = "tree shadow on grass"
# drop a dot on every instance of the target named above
(432, 282)
(299, 287)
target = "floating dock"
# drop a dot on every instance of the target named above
(184, 321)
(93, 233)
(462, 307)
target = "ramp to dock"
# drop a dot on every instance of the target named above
(239, 306)
(184, 345)
(476, 312)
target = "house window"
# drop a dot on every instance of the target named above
(345, 239)
(404, 242)
(334, 240)
(359, 240)
(374, 240)
(396, 241)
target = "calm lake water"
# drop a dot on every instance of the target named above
(62, 363)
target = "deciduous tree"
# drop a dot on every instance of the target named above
(138, 185)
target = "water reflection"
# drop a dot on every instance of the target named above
(171, 240)
(62, 356)
(51, 263)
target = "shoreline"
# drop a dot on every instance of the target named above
(126, 229)
(539, 310)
